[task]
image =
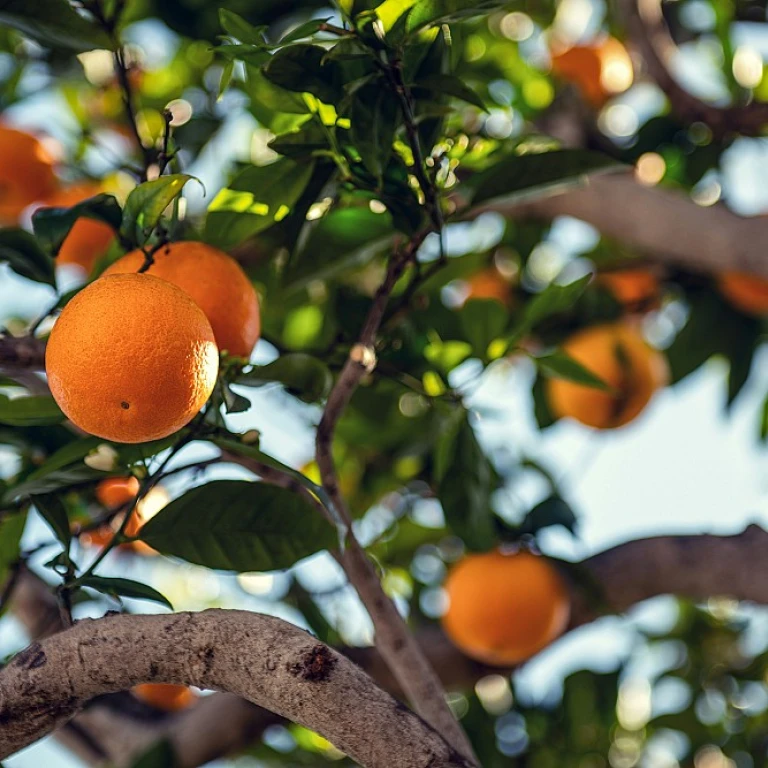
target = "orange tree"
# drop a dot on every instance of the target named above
(383, 239)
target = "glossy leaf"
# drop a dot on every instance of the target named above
(52, 225)
(239, 526)
(302, 375)
(30, 411)
(241, 29)
(255, 200)
(519, 177)
(55, 514)
(550, 512)
(431, 12)
(24, 256)
(451, 85)
(146, 204)
(307, 29)
(374, 117)
(119, 587)
(303, 68)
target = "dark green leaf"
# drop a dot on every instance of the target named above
(226, 77)
(29, 411)
(302, 143)
(463, 474)
(518, 177)
(431, 12)
(56, 480)
(302, 375)
(307, 29)
(552, 511)
(53, 23)
(483, 321)
(11, 529)
(52, 225)
(25, 256)
(344, 239)
(764, 421)
(553, 299)
(559, 365)
(302, 68)
(255, 200)
(374, 117)
(55, 514)
(118, 587)
(146, 204)
(240, 29)
(233, 402)
(451, 85)
(240, 526)
(160, 755)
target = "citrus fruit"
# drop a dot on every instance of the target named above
(635, 289)
(165, 696)
(131, 358)
(619, 356)
(215, 281)
(116, 491)
(745, 292)
(504, 608)
(489, 283)
(88, 239)
(26, 173)
(599, 69)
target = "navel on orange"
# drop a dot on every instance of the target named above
(131, 358)
(26, 173)
(217, 284)
(619, 356)
(504, 608)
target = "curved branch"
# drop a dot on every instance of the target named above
(649, 32)
(261, 658)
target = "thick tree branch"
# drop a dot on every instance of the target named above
(650, 34)
(260, 658)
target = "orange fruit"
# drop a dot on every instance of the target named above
(745, 292)
(600, 69)
(165, 696)
(635, 289)
(215, 281)
(131, 358)
(489, 283)
(88, 239)
(619, 356)
(116, 491)
(26, 173)
(103, 534)
(504, 608)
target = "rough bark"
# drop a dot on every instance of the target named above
(260, 658)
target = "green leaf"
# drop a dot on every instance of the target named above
(307, 29)
(118, 587)
(431, 12)
(302, 143)
(447, 355)
(375, 117)
(52, 225)
(240, 526)
(764, 421)
(160, 755)
(29, 411)
(302, 375)
(303, 68)
(24, 255)
(255, 200)
(275, 108)
(146, 204)
(226, 78)
(451, 85)
(560, 365)
(54, 481)
(233, 402)
(11, 529)
(483, 321)
(240, 29)
(553, 299)
(54, 24)
(463, 475)
(344, 239)
(552, 511)
(55, 514)
(519, 177)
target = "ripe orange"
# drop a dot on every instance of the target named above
(505, 608)
(215, 281)
(600, 69)
(88, 239)
(116, 491)
(26, 173)
(745, 292)
(619, 355)
(131, 358)
(489, 283)
(165, 696)
(103, 534)
(635, 289)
